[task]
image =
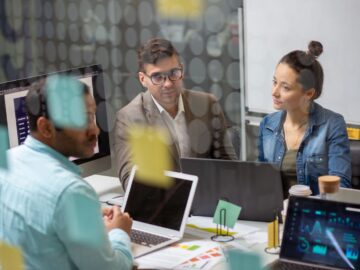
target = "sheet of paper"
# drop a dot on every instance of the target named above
(66, 102)
(150, 153)
(226, 214)
(10, 257)
(176, 254)
(237, 244)
(203, 261)
(207, 222)
(4, 146)
(198, 233)
(256, 238)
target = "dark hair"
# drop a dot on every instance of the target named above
(35, 102)
(310, 72)
(154, 50)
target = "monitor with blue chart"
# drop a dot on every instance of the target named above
(320, 234)
(13, 114)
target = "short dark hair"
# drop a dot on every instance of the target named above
(36, 104)
(306, 65)
(154, 50)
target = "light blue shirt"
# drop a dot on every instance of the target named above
(34, 194)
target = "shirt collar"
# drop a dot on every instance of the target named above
(180, 105)
(38, 146)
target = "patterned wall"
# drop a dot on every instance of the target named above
(40, 36)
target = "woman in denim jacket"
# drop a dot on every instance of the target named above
(303, 138)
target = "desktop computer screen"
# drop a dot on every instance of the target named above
(13, 114)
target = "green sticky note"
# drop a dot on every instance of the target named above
(239, 260)
(229, 214)
(4, 146)
(66, 102)
(83, 220)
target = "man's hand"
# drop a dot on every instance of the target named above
(107, 212)
(114, 218)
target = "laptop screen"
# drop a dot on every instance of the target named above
(255, 186)
(159, 206)
(322, 232)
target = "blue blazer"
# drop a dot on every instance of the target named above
(324, 149)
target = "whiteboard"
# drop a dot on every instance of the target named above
(272, 28)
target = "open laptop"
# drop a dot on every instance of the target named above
(255, 186)
(159, 214)
(320, 234)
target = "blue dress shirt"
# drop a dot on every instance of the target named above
(324, 149)
(34, 195)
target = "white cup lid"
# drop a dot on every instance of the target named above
(300, 190)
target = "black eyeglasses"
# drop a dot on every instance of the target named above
(158, 78)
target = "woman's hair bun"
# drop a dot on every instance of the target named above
(315, 48)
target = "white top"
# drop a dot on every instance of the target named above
(177, 127)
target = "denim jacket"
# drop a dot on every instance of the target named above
(324, 149)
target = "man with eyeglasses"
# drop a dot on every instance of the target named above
(194, 119)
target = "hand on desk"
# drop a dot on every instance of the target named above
(114, 218)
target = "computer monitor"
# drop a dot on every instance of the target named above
(13, 114)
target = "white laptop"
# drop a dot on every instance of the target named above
(159, 214)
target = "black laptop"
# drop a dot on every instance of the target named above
(320, 234)
(255, 186)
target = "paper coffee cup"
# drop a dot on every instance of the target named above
(329, 184)
(300, 190)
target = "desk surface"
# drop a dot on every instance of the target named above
(105, 185)
(242, 242)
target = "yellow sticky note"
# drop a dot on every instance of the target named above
(353, 133)
(150, 153)
(273, 234)
(10, 257)
(180, 8)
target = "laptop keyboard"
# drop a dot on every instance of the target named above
(280, 265)
(146, 239)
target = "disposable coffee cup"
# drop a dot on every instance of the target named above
(295, 190)
(300, 190)
(329, 184)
